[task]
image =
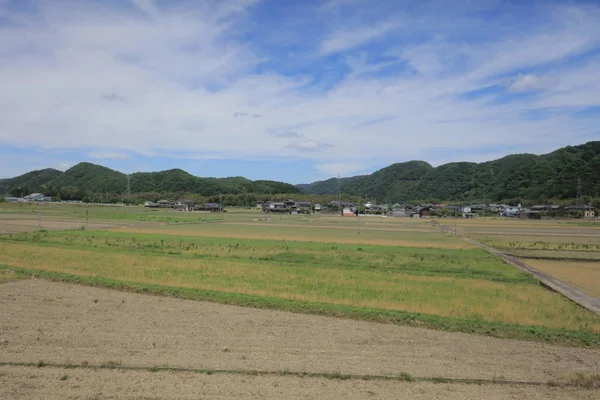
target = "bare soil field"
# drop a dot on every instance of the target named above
(59, 383)
(58, 323)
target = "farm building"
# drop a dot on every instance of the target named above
(36, 197)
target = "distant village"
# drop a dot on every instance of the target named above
(404, 210)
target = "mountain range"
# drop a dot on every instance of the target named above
(519, 176)
(527, 176)
(85, 179)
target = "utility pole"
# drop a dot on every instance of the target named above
(128, 187)
(86, 216)
(455, 218)
(139, 216)
(39, 219)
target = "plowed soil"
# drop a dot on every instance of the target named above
(59, 323)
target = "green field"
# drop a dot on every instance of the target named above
(395, 270)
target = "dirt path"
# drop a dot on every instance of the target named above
(70, 324)
(58, 384)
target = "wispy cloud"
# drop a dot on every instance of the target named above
(286, 135)
(351, 38)
(309, 146)
(342, 169)
(112, 97)
(108, 155)
(524, 83)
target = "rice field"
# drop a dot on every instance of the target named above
(373, 263)
(458, 283)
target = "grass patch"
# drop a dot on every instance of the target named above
(474, 263)
(8, 275)
(495, 329)
(578, 379)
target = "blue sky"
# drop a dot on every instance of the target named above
(292, 90)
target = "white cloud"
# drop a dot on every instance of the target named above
(108, 155)
(348, 39)
(286, 135)
(147, 6)
(308, 146)
(63, 165)
(528, 82)
(342, 169)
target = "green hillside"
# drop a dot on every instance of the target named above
(86, 179)
(519, 176)
(26, 183)
(526, 176)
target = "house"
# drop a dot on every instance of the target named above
(36, 197)
(539, 208)
(259, 205)
(184, 205)
(13, 199)
(348, 212)
(425, 212)
(210, 207)
(373, 209)
(581, 211)
(303, 204)
(275, 206)
(289, 203)
(164, 204)
(510, 212)
(318, 207)
(479, 207)
(399, 214)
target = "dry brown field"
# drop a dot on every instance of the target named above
(132, 346)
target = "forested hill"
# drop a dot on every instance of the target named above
(85, 179)
(527, 176)
(519, 176)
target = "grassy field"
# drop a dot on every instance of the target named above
(583, 274)
(318, 264)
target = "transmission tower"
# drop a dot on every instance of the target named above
(578, 199)
(339, 189)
